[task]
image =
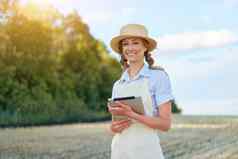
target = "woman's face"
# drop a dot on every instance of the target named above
(133, 49)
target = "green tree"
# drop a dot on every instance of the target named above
(175, 108)
(52, 70)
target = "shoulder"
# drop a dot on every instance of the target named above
(114, 89)
(161, 81)
(158, 72)
(157, 68)
(116, 82)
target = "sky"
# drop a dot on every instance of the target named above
(197, 44)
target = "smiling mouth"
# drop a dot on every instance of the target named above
(131, 54)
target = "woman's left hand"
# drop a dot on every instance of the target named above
(119, 108)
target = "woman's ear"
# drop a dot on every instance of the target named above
(145, 45)
(145, 50)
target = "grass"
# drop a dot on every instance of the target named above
(191, 137)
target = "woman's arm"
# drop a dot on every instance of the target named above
(162, 121)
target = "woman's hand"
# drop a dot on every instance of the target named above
(119, 126)
(119, 108)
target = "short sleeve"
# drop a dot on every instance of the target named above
(163, 91)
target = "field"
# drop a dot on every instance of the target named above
(191, 137)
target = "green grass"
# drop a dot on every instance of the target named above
(8, 119)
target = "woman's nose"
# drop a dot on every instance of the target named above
(130, 47)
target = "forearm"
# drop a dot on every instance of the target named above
(160, 123)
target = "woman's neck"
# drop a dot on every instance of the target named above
(135, 68)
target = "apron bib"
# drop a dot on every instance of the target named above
(138, 141)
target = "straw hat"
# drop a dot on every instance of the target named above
(133, 30)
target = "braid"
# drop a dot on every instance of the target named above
(147, 54)
(149, 59)
(123, 61)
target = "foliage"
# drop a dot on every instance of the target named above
(52, 70)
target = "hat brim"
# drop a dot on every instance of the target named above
(116, 40)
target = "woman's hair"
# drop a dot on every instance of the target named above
(147, 54)
(149, 59)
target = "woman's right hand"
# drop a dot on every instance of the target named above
(120, 125)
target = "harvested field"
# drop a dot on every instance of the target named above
(191, 137)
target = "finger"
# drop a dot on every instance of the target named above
(119, 126)
(125, 124)
(119, 122)
(116, 128)
(108, 107)
(120, 103)
(123, 105)
(114, 104)
(118, 110)
(124, 121)
(123, 127)
(114, 109)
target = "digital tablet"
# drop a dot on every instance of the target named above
(136, 104)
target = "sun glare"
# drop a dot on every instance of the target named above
(40, 2)
(45, 2)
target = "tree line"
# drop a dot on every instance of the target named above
(52, 70)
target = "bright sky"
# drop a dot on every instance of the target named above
(198, 44)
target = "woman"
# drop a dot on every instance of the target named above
(136, 137)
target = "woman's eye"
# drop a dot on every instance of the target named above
(124, 44)
(135, 43)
